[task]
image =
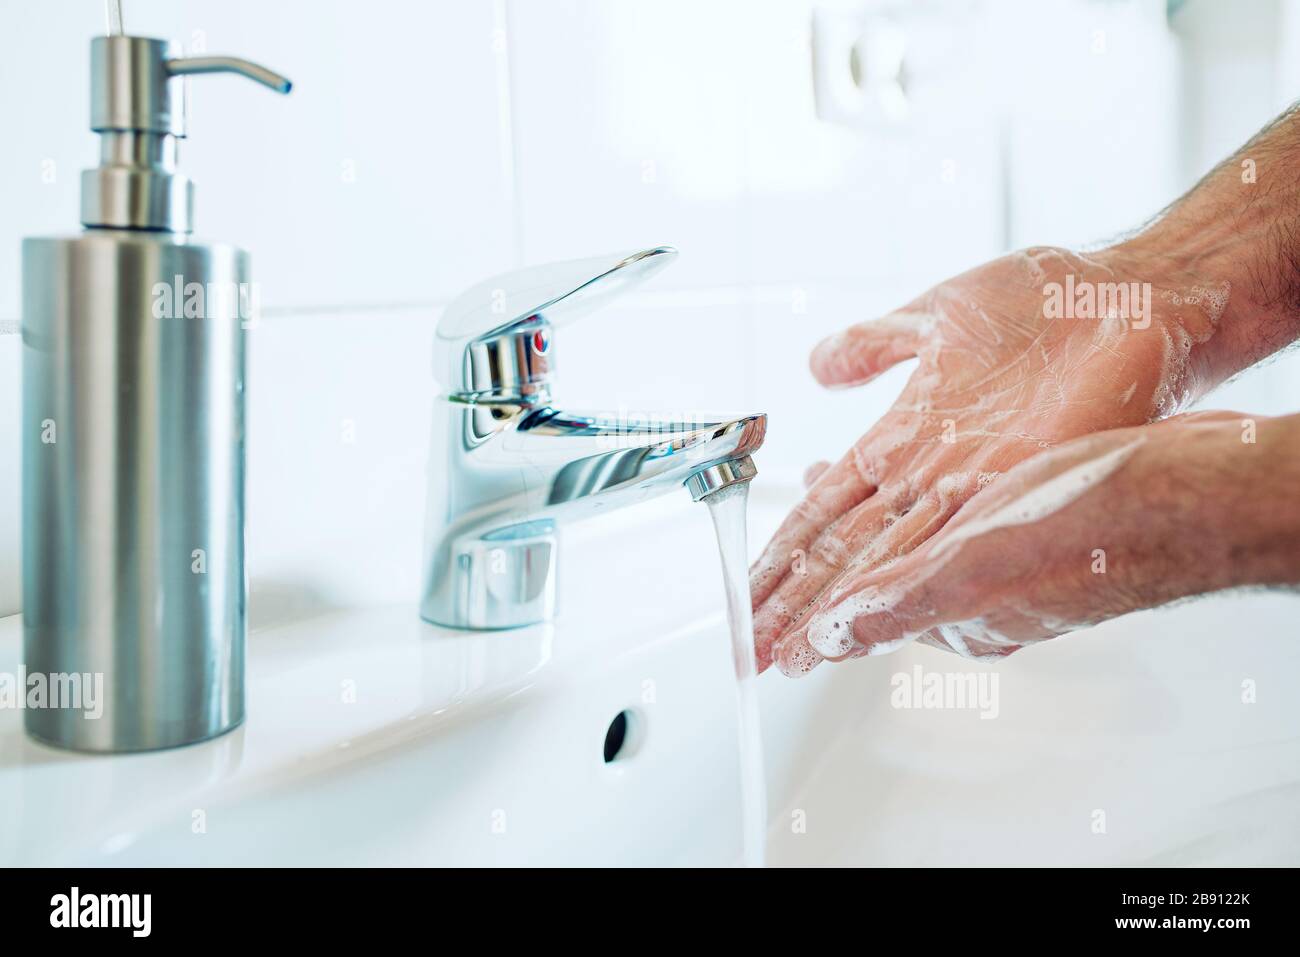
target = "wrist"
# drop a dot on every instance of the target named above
(1228, 260)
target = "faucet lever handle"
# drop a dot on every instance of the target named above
(491, 340)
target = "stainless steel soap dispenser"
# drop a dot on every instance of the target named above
(134, 593)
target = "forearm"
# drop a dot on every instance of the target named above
(1237, 231)
(1202, 503)
(1239, 489)
(1204, 509)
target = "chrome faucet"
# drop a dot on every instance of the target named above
(507, 470)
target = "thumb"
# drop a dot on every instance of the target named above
(859, 353)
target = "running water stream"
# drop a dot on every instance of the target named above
(727, 507)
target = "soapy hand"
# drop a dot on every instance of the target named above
(1015, 357)
(1107, 524)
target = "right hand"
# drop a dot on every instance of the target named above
(1101, 526)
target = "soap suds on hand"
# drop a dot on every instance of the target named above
(1042, 501)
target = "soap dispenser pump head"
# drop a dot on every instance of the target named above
(137, 105)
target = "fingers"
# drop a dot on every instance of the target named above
(763, 634)
(814, 472)
(882, 539)
(795, 658)
(837, 490)
(813, 568)
(860, 353)
(873, 612)
(975, 587)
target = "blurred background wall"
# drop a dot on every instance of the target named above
(815, 162)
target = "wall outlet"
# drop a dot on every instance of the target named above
(881, 63)
(860, 66)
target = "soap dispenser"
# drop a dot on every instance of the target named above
(133, 410)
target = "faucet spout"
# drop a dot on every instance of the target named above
(615, 460)
(516, 474)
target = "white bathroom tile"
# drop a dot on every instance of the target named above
(680, 353)
(1240, 69)
(44, 73)
(861, 201)
(382, 178)
(807, 423)
(695, 125)
(628, 131)
(1093, 138)
(338, 431)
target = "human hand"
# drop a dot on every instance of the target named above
(1002, 376)
(1103, 525)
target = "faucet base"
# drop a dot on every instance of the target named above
(505, 579)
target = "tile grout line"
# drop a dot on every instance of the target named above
(726, 293)
(507, 128)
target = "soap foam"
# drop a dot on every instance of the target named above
(801, 662)
(831, 633)
(1043, 500)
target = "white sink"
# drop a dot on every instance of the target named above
(460, 748)
(1141, 719)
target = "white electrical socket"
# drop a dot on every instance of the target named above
(859, 66)
(870, 57)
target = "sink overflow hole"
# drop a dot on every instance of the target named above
(621, 736)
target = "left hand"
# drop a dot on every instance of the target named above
(1101, 526)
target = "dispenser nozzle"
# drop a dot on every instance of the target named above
(230, 64)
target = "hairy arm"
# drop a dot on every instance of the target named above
(1241, 225)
